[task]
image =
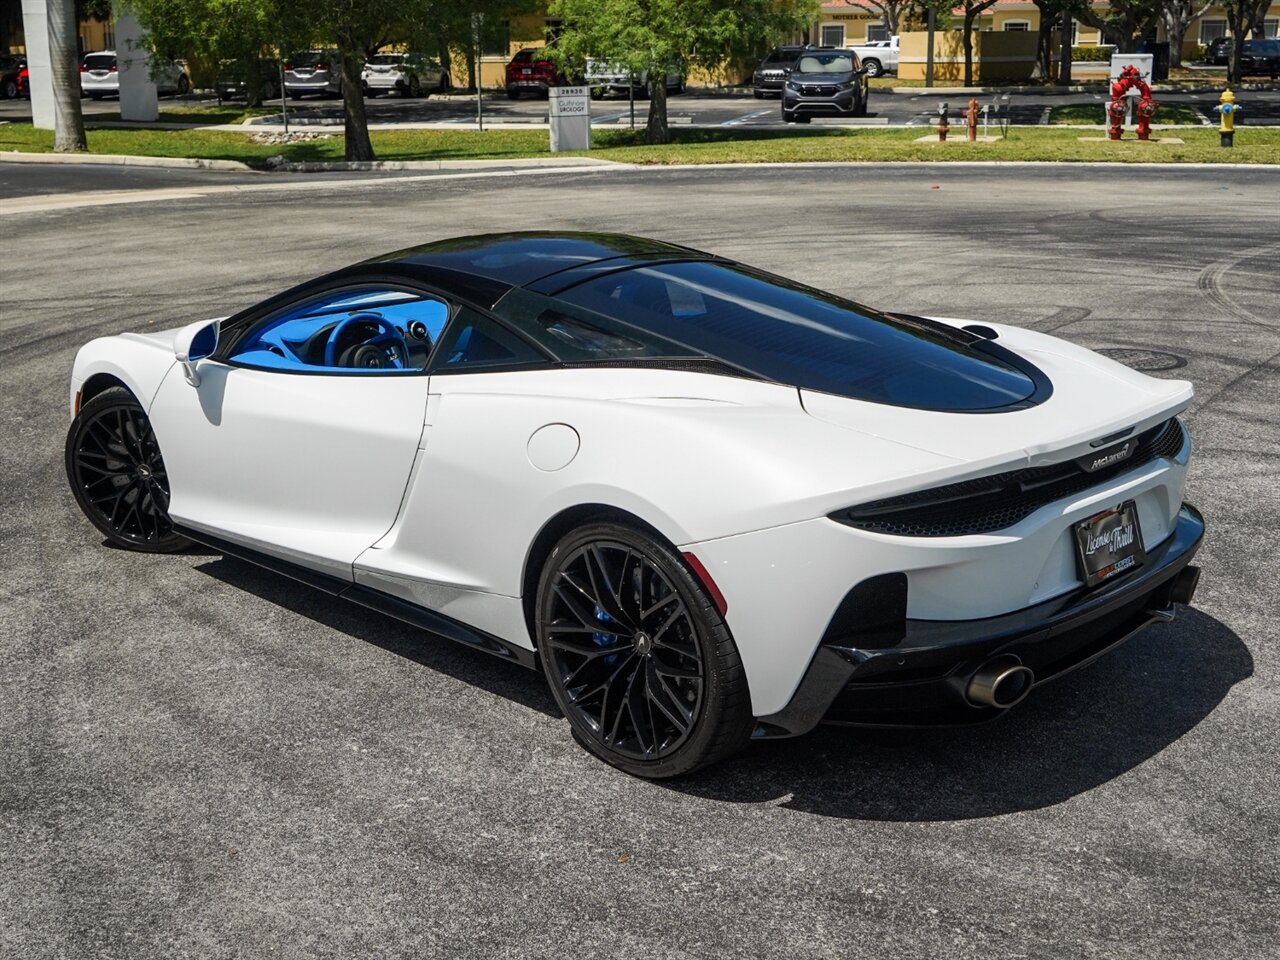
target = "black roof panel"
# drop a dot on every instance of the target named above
(521, 258)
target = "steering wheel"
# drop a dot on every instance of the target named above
(384, 350)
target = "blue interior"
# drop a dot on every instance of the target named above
(302, 338)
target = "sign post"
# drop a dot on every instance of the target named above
(569, 111)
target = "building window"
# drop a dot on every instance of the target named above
(553, 30)
(1211, 30)
(833, 35)
(877, 32)
(1271, 28)
(1017, 26)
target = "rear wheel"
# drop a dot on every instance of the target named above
(637, 655)
(184, 85)
(873, 67)
(513, 93)
(117, 474)
(11, 90)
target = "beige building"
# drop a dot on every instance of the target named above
(845, 23)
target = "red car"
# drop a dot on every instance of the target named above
(529, 71)
(24, 83)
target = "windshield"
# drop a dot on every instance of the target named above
(825, 63)
(806, 338)
(780, 57)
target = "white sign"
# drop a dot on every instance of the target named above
(569, 101)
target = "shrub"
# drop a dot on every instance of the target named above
(1092, 54)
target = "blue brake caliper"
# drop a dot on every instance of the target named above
(601, 638)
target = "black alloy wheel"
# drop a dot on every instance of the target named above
(118, 476)
(637, 655)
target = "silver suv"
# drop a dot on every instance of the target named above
(313, 71)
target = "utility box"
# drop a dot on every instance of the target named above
(570, 116)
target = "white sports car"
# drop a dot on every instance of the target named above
(711, 503)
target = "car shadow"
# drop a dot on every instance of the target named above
(480, 670)
(1067, 738)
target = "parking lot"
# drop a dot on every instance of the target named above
(910, 107)
(198, 758)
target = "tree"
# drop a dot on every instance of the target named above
(68, 123)
(1122, 22)
(891, 10)
(1244, 17)
(651, 37)
(972, 10)
(1177, 16)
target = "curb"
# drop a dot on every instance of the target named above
(126, 160)
(520, 163)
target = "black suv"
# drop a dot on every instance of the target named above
(824, 82)
(772, 72)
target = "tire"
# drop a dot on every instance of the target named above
(801, 118)
(861, 109)
(788, 117)
(694, 709)
(415, 88)
(443, 85)
(184, 85)
(513, 93)
(873, 67)
(759, 94)
(95, 96)
(294, 96)
(117, 474)
(11, 90)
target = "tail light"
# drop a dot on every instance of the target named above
(113, 68)
(83, 68)
(322, 66)
(288, 65)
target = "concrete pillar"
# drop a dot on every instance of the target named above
(138, 97)
(35, 28)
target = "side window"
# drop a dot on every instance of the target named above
(353, 330)
(475, 342)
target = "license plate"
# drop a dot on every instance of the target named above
(526, 71)
(1109, 544)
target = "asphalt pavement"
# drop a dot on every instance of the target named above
(201, 759)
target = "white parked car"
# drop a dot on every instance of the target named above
(408, 74)
(313, 72)
(878, 56)
(100, 76)
(605, 78)
(707, 502)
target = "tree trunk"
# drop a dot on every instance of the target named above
(473, 78)
(1044, 42)
(656, 129)
(358, 146)
(1064, 70)
(68, 122)
(968, 49)
(252, 81)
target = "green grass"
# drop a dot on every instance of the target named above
(691, 146)
(1176, 113)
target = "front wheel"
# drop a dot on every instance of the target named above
(11, 90)
(117, 474)
(184, 85)
(637, 655)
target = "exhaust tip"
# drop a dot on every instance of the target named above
(1001, 682)
(1184, 585)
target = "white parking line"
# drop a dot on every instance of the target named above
(610, 117)
(746, 118)
(1204, 118)
(1044, 116)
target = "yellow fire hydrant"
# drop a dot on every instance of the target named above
(1227, 109)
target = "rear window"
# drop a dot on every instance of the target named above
(308, 59)
(806, 338)
(387, 59)
(825, 63)
(524, 56)
(99, 61)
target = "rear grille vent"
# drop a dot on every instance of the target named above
(994, 503)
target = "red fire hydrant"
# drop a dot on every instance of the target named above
(973, 120)
(1131, 79)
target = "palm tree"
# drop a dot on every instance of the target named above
(68, 122)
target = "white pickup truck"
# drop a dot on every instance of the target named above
(878, 56)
